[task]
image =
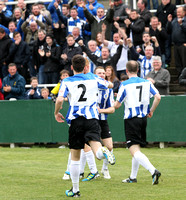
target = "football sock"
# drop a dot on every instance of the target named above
(99, 154)
(82, 161)
(91, 162)
(74, 174)
(68, 164)
(134, 169)
(144, 161)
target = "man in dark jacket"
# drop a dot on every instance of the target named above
(5, 43)
(96, 22)
(20, 54)
(135, 27)
(13, 84)
(50, 56)
(37, 46)
(177, 28)
(105, 59)
(71, 50)
(144, 12)
(162, 13)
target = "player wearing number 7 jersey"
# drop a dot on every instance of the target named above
(136, 93)
(81, 90)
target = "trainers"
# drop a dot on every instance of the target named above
(91, 176)
(129, 180)
(108, 155)
(70, 193)
(81, 175)
(66, 176)
(155, 177)
(106, 174)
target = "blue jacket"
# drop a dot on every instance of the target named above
(52, 10)
(36, 95)
(17, 83)
(96, 6)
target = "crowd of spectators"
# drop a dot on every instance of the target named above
(39, 40)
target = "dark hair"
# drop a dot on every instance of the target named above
(145, 33)
(78, 63)
(16, 33)
(144, 2)
(66, 5)
(132, 66)
(2, 30)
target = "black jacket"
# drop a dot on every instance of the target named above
(5, 44)
(51, 63)
(137, 26)
(36, 57)
(163, 12)
(146, 16)
(70, 51)
(98, 61)
(20, 54)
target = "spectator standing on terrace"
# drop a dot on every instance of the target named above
(105, 58)
(135, 93)
(113, 45)
(5, 15)
(96, 22)
(159, 77)
(71, 50)
(13, 84)
(135, 27)
(162, 13)
(37, 61)
(144, 13)
(177, 28)
(160, 33)
(50, 56)
(5, 43)
(19, 53)
(121, 12)
(30, 29)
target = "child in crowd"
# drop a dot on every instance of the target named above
(63, 74)
(34, 92)
(45, 93)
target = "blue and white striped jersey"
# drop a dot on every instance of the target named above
(105, 100)
(145, 65)
(82, 93)
(136, 93)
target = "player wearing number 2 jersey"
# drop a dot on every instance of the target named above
(136, 93)
(81, 90)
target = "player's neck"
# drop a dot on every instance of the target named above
(132, 75)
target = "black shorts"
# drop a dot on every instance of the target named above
(105, 132)
(135, 131)
(82, 131)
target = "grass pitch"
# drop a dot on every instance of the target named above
(35, 174)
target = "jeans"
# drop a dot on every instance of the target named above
(41, 79)
(154, 3)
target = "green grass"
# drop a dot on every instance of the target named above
(35, 174)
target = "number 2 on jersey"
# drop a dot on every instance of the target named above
(81, 98)
(140, 91)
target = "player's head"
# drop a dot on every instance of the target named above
(132, 67)
(78, 63)
(100, 71)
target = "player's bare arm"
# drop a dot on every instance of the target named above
(117, 104)
(156, 101)
(109, 110)
(58, 106)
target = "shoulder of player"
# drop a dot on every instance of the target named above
(134, 80)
